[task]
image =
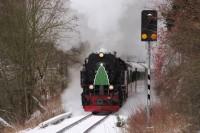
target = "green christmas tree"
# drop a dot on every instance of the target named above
(101, 77)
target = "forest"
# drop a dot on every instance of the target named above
(33, 71)
(177, 70)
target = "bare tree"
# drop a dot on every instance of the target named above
(181, 80)
(29, 31)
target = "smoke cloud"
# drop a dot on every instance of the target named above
(72, 96)
(111, 24)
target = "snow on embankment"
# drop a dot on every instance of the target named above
(47, 125)
(4, 123)
(137, 101)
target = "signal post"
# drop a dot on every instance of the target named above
(149, 34)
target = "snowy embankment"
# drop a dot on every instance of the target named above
(46, 124)
(4, 123)
(134, 103)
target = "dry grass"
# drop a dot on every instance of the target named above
(162, 121)
(53, 107)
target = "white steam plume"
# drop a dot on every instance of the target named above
(111, 24)
(102, 15)
(72, 96)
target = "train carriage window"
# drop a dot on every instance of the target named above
(134, 76)
(131, 76)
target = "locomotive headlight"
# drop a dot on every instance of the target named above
(101, 54)
(111, 87)
(91, 87)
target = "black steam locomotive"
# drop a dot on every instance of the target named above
(105, 79)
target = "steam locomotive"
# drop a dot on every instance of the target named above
(105, 80)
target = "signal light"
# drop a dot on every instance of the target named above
(149, 25)
(144, 36)
(153, 36)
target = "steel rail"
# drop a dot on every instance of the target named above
(74, 124)
(95, 124)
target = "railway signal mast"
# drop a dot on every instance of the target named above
(149, 34)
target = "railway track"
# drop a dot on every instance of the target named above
(84, 125)
(95, 124)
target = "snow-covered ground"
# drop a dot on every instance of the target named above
(4, 123)
(108, 126)
(134, 103)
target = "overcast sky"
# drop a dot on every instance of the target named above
(113, 25)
